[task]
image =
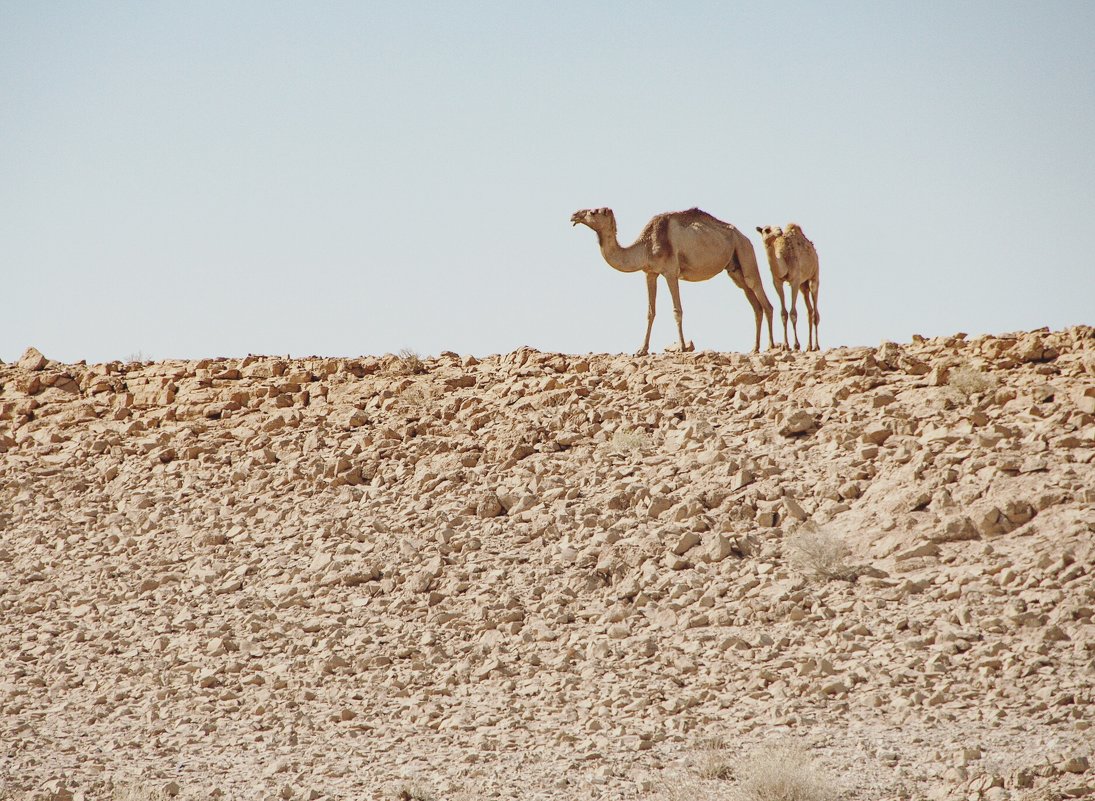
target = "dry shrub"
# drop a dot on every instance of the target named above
(689, 788)
(411, 362)
(628, 440)
(970, 381)
(411, 790)
(137, 792)
(416, 396)
(819, 555)
(783, 773)
(714, 760)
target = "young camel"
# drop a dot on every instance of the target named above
(682, 245)
(793, 260)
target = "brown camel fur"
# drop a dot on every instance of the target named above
(793, 260)
(682, 245)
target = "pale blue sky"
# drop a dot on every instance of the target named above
(218, 178)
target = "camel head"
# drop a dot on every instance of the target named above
(597, 219)
(769, 233)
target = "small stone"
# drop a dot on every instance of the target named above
(794, 508)
(618, 631)
(742, 478)
(966, 755)
(1022, 779)
(917, 552)
(32, 359)
(686, 542)
(719, 548)
(1076, 764)
(1055, 634)
(350, 418)
(766, 518)
(876, 434)
(489, 506)
(796, 423)
(954, 529)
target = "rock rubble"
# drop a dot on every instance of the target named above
(539, 575)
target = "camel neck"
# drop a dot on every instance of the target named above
(619, 258)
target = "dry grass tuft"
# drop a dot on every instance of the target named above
(412, 363)
(970, 381)
(411, 790)
(629, 440)
(714, 760)
(784, 773)
(136, 792)
(138, 357)
(819, 555)
(690, 788)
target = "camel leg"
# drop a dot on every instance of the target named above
(782, 313)
(678, 312)
(809, 315)
(756, 297)
(794, 314)
(766, 311)
(758, 314)
(816, 314)
(651, 297)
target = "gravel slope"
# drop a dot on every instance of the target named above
(551, 576)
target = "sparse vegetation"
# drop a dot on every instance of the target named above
(546, 544)
(687, 787)
(412, 363)
(629, 440)
(136, 792)
(139, 357)
(414, 396)
(714, 759)
(970, 381)
(411, 790)
(783, 773)
(819, 555)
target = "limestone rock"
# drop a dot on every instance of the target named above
(32, 360)
(797, 422)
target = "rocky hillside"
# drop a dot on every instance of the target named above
(551, 576)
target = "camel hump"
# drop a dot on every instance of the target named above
(794, 229)
(694, 215)
(794, 232)
(656, 232)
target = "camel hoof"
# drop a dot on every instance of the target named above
(642, 351)
(691, 347)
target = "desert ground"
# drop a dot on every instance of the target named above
(864, 573)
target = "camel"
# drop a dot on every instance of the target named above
(793, 260)
(690, 245)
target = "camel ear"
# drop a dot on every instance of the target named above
(760, 230)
